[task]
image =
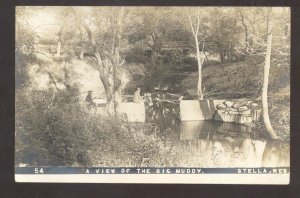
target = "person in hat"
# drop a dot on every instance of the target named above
(137, 98)
(89, 99)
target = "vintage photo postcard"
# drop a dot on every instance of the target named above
(152, 94)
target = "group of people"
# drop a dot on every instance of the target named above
(137, 98)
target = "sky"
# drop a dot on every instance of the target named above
(44, 22)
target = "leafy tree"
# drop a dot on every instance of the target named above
(277, 44)
(260, 41)
(157, 28)
(104, 32)
(225, 33)
(25, 34)
(24, 45)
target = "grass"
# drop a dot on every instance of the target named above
(48, 134)
(236, 80)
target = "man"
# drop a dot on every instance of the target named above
(89, 99)
(137, 98)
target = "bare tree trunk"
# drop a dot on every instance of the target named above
(82, 44)
(153, 59)
(58, 51)
(221, 52)
(199, 85)
(246, 30)
(117, 72)
(81, 53)
(222, 57)
(264, 94)
(230, 53)
(117, 88)
(104, 79)
(195, 31)
(59, 35)
(155, 50)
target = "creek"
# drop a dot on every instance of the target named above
(228, 144)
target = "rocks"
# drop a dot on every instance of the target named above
(236, 105)
(254, 105)
(225, 117)
(221, 107)
(228, 103)
(243, 108)
(237, 112)
(226, 111)
(220, 111)
(232, 111)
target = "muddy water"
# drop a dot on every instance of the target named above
(223, 144)
(234, 144)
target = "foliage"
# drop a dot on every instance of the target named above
(25, 34)
(46, 125)
(243, 81)
(53, 128)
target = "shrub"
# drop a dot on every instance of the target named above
(50, 128)
(53, 129)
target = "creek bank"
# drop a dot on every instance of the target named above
(224, 81)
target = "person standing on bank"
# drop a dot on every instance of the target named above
(137, 98)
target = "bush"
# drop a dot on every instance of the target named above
(50, 129)
(53, 129)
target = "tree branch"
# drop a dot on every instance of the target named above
(190, 21)
(198, 22)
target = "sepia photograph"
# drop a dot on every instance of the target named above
(152, 94)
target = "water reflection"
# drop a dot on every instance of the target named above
(211, 129)
(214, 143)
(234, 145)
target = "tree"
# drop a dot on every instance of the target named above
(261, 41)
(156, 27)
(264, 93)
(252, 21)
(194, 21)
(67, 27)
(25, 33)
(117, 61)
(225, 32)
(104, 32)
(24, 43)
(155, 32)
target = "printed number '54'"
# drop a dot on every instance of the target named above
(38, 171)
